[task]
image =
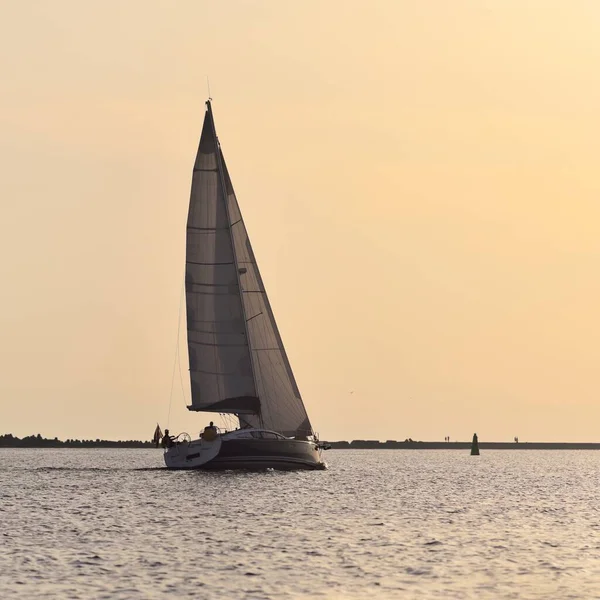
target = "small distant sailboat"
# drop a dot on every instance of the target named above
(238, 364)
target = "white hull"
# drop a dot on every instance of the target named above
(192, 455)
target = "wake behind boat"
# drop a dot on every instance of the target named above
(238, 364)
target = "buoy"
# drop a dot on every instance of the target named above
(475, 446)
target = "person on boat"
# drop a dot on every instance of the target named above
(210, 432)
(167, 440)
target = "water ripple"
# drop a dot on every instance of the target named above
(112, 523)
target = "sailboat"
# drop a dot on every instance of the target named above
(237, 362)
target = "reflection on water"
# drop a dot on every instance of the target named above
(112, 523)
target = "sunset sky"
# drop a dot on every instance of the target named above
(419, 179)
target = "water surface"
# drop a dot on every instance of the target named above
(109, 523)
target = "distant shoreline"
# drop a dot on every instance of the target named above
(36, 441)
(393, 445)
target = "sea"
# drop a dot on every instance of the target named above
(114, 524)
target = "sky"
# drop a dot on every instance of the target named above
(419, 179)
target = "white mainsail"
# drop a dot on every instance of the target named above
(237, 360)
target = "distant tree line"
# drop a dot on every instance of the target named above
(37, 441)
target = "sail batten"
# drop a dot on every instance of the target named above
(237, 364)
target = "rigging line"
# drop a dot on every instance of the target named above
(181, 381)
(176, 359)
(228, 420)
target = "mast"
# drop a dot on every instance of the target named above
(233, 251)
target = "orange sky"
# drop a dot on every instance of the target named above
(418, 179)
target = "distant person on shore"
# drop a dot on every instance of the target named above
(167, 441)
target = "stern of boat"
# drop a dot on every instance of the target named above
(192, 454)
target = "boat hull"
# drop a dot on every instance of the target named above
(266, 454)
(254, 454)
